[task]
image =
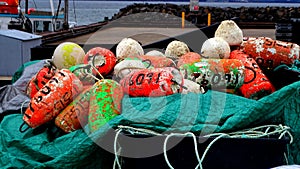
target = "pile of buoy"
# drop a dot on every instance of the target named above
(72, 89)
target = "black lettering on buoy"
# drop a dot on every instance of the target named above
(47, 91)
(54, 80)
(62, 74)
(131, 81)
(236, 79)
(150, 75)
(203, 89)
(204, 82)
(139, 79)
(227, 77)
(254, 74)
(216, 79)
(67, 97)
(158, 76)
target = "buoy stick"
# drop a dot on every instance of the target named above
(182, 19)
(208, 19)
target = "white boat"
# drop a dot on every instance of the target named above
(32, 20)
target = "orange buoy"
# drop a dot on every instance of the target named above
(103, 59)
(269, 53)
(41, 78)
(52, 98)
(256, 84)
(75, 115)
(153, 82)
(188, 58)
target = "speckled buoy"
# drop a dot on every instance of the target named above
(128, 47)
(215, 73)
(105, 103)
(230, 32)
(75, 115)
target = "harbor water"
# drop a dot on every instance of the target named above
(87, 12)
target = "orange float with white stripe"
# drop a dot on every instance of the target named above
(52, 98)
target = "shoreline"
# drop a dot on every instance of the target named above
(244, 14)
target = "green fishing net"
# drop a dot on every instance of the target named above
(198, 113)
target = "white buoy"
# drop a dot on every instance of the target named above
(125, 67)
(68, 54)
(230, 32)
(155, 53)
(176, 48)
(215, 48)
(128, 47)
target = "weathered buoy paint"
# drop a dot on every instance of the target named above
(41, 78)
(75, 115)
(52, 98)
(188, 58)
(256, 84)
(215, 73)
(105, 103)
(103, 59)
(269, 53)
(67, 54)
(153, 82)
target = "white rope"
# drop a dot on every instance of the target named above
(179, 134)
(97, 71)
(22, 107)
(116, 152)
(266, 130)
(90, 74)
(208, 147)
(137, 130)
